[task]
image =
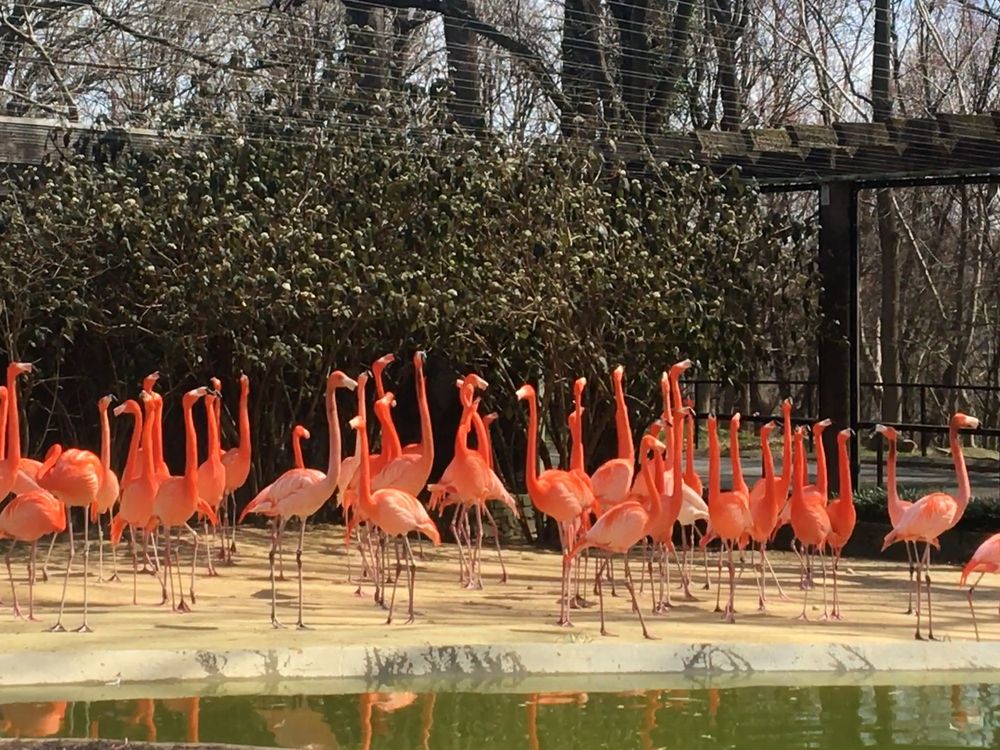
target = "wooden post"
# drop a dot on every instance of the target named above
(838, 337)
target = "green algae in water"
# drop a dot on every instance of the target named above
(750, 717)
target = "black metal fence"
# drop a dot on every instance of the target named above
(914, 403)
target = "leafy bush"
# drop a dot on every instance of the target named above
(284, 259)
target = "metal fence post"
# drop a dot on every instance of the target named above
(923, 420)
(878, 465)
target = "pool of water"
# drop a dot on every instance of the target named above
(746, 717)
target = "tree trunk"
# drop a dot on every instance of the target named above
(631, 17)
(463, 69)
(674, 59)
(582, 58)
(727, 28)
(365, 25)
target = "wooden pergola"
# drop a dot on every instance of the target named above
(834, 162)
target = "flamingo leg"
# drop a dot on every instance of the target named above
(600, 597)
(566, 538)
(281, 551)
(927, 580)
(275, 623)
(58, 627)
(45, 565)
(412, 579)
(919, 571)
(114, 553)
(232, 542)
(805, 599)
(31, 582)
(194, 559)
(463, 566)
(100, 551)
(822, 562)
(298, 563)
(774, 576)
(395, 582)
(909, 593)
(635, 604)
(135, 565)
(84, 627)
(718, 582)
(972, 610)
(836, 600)
(479, 546)
(729, 615)
(496, 537)
(10, 574)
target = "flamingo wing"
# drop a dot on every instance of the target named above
(612, 481)
(618, 529)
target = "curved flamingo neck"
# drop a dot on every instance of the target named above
(245, 419)
(132, 460)
(768, 465)
(626, 447)
(161, 464)
(391, 447)
(961, 472)
(576, 460)
(13, 421)
(148, 430)
(677, 496)
(821, 481)
(891, 491)
(844, 469)
(105, 436)
(483, 444)
(665, 415)
(191, 449)
(798, 472)
(689, 472)
(714, 482)
(297, 449)
(648, 478)
(786, 452)
(333, 423)
(426, 434)
(3, 422)
(739, 483)
(212, 416)
(531, 454)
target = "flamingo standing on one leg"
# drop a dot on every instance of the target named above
(556, 493)
(809, 519)
(934, 514)
(986, 559)
(177, 499)
(897, 506)
(842, 513)
(27, 518)
(300, 492)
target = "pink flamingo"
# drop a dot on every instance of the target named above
(897, 506)
(613, 479)
(622, 527)
(765, 507)
(843, 515)
(108, 491)
(934, 514)
(810, 521)
(15, 475)
(556, 493)
(177, 499)
(986, 559)
(302, 492)
(27, 518)
(395, 512)
(212, 472)
(236, 462)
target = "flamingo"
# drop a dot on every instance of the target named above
(623, 526)
(897, 506)
(809, 519)
(765, 507)
(15, 475)
(177, 499)
(556, 493)
(934, 514)
(300, 492)
(27, 518)
(299, 433)
(662, 530)
(74, 477)
(986, 559)
(236, 462)
(729, 512)
(613, 479)
(139, 482)
(108, 491)
(212, 473)
(842, 513)
(395, 512)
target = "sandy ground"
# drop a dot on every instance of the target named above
(232, 609)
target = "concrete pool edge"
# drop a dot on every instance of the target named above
(607, 661)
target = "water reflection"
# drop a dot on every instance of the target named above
(767, 717)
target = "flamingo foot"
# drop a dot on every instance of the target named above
(276, 624)
(18, 614)
(729, 616)
(503, 578)
(183, 607)
(409, 620)
(57, 628)
(302, 626)
(608, 633)
(281, 577)
(358, 593)
(85, 628)
(115, 578)
(191, 594)
(917, 636)
(564, 622)
(804, 617)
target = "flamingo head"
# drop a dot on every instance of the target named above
(734, 422)
(419, 358)
(525, 392)
(216, 385)
(889, 433)
(244, 383)
(786, 405)
(680, 367)
(475, 381)
(301, 432)
(193, 395)
(821, 425)
(381, 363)
(388, 400)
(651, 443)
(618, 373)
(964, 421)
(356, 423)
(338, 379)
(578, 385)
(105, 401)
(490, 418)
(844, 435)
(19, 368)
(150, 380)
(766, 430)
(128, 407)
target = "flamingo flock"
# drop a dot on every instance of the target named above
(648, 508)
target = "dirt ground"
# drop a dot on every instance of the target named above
(232, 608)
